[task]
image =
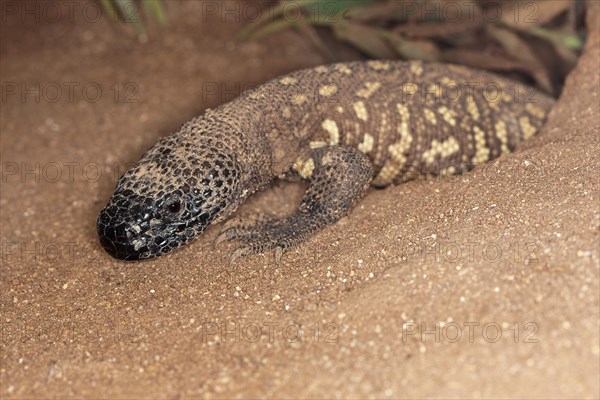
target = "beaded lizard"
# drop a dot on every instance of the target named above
(340, 127)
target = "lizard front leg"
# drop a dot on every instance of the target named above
(338, 176)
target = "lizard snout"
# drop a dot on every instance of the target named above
(120, 239)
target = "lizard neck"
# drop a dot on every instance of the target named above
(269, 144)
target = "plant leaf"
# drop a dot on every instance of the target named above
(130, 14)
(518, 49)
(109, 7)
(365, 38)
(156, 10)
(414, 49)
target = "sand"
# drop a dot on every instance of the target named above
(482, 285)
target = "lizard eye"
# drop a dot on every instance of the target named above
(174, 206)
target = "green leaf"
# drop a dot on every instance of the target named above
(321, 12)
(156, 10)
(109, 7)
(130, 13)
(558, 39)
(273, 27)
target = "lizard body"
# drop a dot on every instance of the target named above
(340, 127)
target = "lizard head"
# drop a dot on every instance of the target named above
(169, 197)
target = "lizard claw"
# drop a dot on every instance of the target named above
(278, 254)
(231, 223)
(223, 236)
(255, 238)
(240, 252)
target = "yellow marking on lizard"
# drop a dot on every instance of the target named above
(343, 69)
(430, 116)
(404, 132)
(416, 67)
(383, 124)
(465, 124)
(334, 133)
(396, 153)
(299, 99)
(482, 152)
(398, 148)
(396, 159)
(403, 110)
(367, 144)
(321, 69)
(379, 65)
(501, 134)
(255, 95)
(339, 109)
(305, 168)
(386, 174)
(327, 159)
(361, 110)
(317, 144)
(526, 127)
(472, 108)
(368, 90)
(302, 133)
(535, 111)
(287, 113)
(328, 90)
(448, 81)
(451, 170)
(443, 149)
(448, 115)
(288, 80)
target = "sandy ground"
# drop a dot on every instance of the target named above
(484, 285)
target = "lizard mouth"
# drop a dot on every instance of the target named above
(133, 227)
(145, 237)
(121, 240)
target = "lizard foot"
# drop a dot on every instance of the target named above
(338, 176)
(268, 233)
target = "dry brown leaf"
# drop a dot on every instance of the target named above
(385, 11)
(465, 18)
(523, 15)
(365, 38)
(310, 32)
(437, 30)
(482, 60)
(518, 49)
(415, 49)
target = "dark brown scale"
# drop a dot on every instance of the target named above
(339, 127)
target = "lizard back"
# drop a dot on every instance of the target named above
(409, 118)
